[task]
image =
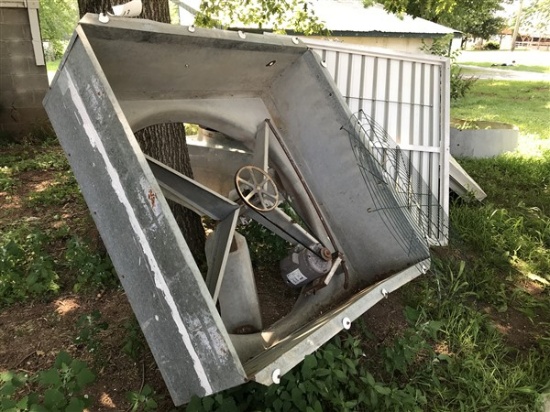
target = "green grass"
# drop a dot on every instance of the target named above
(52, 66)
(524, 104)
(518, 68)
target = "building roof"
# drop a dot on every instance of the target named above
(350, 17)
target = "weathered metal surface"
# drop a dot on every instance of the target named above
(239, 303)
(150, 255)
(191, 194)
(127, 74)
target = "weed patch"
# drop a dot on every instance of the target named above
(6, 179)
(26, 269)
(62, 190)
(89, 268)
(58, 388)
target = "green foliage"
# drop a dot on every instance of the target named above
(266, 248)
(134, 341)
(536, 17)
(57, 19)
(26, 269)
(58, 388)
(474, 366)
(27, 158)
(64, 190)
(334, 378)
(90, 268)
(512, 229)
(54, 50)
(408, 349)
(459, 83)
(143, 400)
(491, 45)
(191, 129)
(295, 15)
(89, 327)
(6, 179)
(428, 10)
(475, 18)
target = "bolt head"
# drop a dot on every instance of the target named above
(346, 323)
(276, 376)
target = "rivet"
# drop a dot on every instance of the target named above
(295, 40)
(276, 376)
(191, 29)
(241, 34)
(346, 323)
(323, 63)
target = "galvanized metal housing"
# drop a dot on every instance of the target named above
(272, 95)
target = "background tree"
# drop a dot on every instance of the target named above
(278, 15)
(535, 19)
(57, 21)
(427, 9)
(164, 142)
(475, 18)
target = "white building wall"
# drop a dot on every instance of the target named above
(408, 96)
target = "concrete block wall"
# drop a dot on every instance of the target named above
(23, 84)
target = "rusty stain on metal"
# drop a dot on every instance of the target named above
(152, 198)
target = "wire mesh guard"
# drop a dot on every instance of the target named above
(408, 208)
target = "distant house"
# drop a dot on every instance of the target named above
(350, 22)
(504, 38)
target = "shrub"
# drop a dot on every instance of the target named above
(459, 83)
(491, 45)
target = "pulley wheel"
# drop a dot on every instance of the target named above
(256, 188)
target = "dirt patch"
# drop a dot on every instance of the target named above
(386, 319)
(520, 331)
(31, 336)
(276, 299)
(13, 200)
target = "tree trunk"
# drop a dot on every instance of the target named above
(164, 142)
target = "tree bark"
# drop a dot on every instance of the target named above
(164, 142)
